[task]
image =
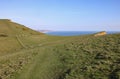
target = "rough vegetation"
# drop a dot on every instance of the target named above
(91, 58)
(27, 54)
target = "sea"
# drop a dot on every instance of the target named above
(76, 33)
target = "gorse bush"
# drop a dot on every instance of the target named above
(92, 58)
(14, 63)
(3, 35)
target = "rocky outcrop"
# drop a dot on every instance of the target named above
(100, 33)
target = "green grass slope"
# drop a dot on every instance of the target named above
(19, 45)
(11, 28)
(13, 35)
(91, 58)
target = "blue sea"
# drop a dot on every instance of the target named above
(75, 33)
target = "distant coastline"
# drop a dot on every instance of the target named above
(44, 31)
(75, 33)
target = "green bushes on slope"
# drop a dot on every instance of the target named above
(93, 58)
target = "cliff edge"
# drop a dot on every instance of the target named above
(100, 33)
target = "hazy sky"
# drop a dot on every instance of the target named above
(77, 15)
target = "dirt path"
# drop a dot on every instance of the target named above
(41, 65)
(39, 68)
(28, 72)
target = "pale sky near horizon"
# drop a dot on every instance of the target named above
(66, 15)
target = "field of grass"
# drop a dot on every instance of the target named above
(26, 55)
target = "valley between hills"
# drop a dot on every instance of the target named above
(28, 54)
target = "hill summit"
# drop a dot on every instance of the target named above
(7, 27)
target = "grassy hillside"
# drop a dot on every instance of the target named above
(11, 28)
(19, 45)
(91, 58)
(56, 57)
(12, 35)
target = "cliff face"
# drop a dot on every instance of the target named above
(100, 33)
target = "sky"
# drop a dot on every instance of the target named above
(63, 15)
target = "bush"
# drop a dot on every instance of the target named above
(3, 35)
